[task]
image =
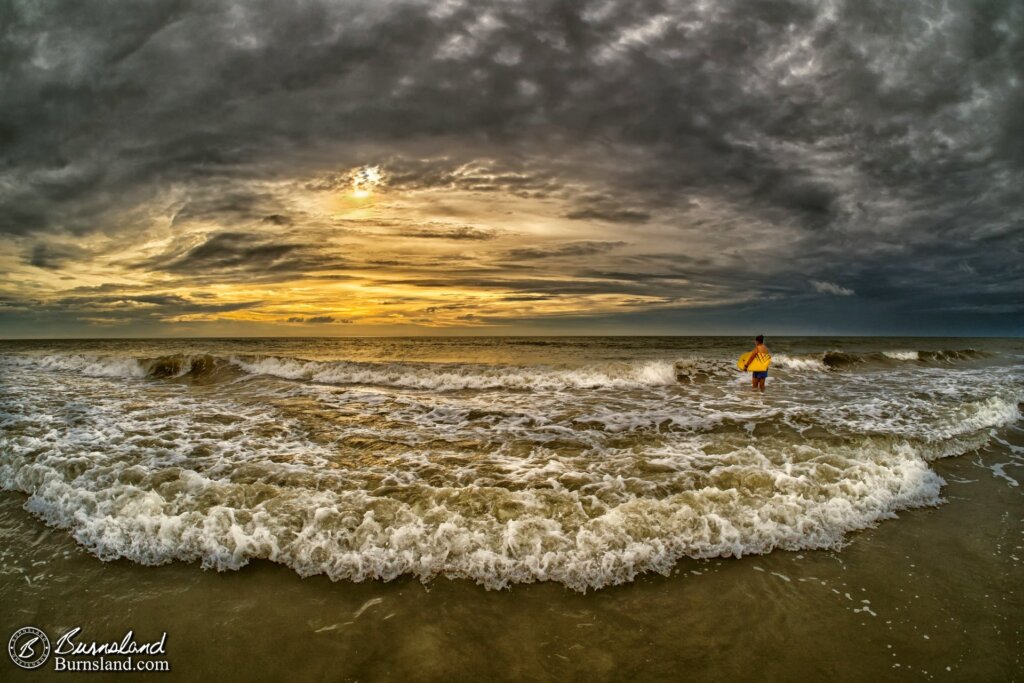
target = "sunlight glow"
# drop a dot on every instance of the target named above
(364, 180)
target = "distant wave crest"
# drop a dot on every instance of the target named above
(207, 368)
(576, 485)
(454, 377)
(433, 376)
(843, 360)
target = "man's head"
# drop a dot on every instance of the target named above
(759, 339)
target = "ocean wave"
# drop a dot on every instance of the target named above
(585, 488)
(455, 377)
(435, 376)
(460, 376)
(92, 366)
(949, 355)
(700, 370)
(901, 355)
(843, 360)
(799, 363)
(175, 366)
(487, 534)
(975, 416)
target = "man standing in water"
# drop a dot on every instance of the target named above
(760, 353)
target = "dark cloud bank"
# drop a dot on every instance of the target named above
(884, 140)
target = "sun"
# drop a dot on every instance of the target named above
(364, 180)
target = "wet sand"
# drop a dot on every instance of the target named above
(935, 594)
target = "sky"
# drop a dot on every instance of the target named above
(350, 167)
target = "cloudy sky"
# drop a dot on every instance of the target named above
(462, 166)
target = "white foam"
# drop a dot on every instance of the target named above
(995, 411)
(602, 524)
(999, 470)
(92, 366)
(570, 484)
(436, 376)
(804, 363)
(901, 355)
(355, 535)
(453, 377)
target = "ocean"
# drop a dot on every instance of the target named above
(522, 507)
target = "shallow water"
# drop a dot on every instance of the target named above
(582, 464)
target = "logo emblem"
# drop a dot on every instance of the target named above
(29, 647)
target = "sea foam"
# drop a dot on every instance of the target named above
(587, 476)
(454, 377)
(509, 537)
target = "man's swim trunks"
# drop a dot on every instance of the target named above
(762, 374)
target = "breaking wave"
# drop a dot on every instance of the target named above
(545, 476)
(192, 366)
(494, 537)
(842, 360)
(453, 377)
(461, 376)
(584, 529)
(432, 376)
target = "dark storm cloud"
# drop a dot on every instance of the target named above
(319, 319)
(163, 301)
(610, 215)
(605, 209)
(570, 249)
(414, 229)
(528, 297)
(447, 232)
(244, 255)
(125, 306)
(430, 310)
(227, 205)
(805, 196)
(608, 283)
(889, 133)
(53, 255)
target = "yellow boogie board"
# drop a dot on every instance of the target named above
(759, 364)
